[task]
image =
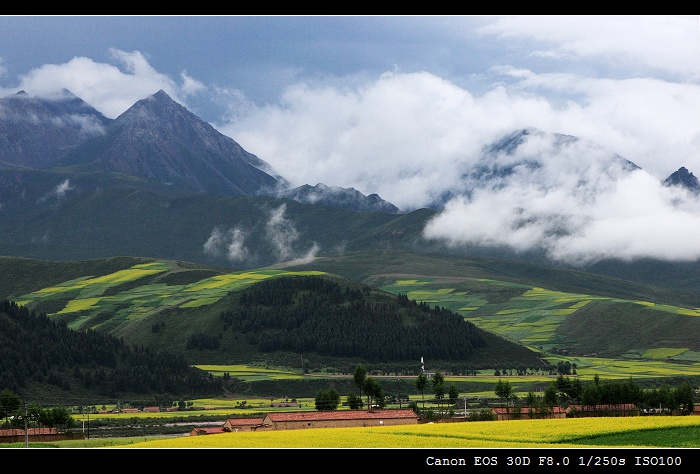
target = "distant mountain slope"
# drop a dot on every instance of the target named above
(334, 196)
(57, 216)
(157, 140)
(538, 157)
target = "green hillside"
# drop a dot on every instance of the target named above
(526, 314)
(563, 312)
(175, 306)
(161, 304)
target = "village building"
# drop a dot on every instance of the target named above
(337, 419)
(18, 435)
(242, 424)
(207, 430)
(527, 413)
(613, 409)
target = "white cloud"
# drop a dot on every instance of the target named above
(577, 208)
(58, 192)
(407, 136)
(280, 232)
(228, 243)
(106, 87)
(669, 43)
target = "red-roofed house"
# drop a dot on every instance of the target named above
(151, 409)
(242, 424)
(30, 431)
(617, 409)
(337, 419)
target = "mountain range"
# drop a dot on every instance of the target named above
(159, 182)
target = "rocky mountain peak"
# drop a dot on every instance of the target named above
(159, 139)
(684, 178)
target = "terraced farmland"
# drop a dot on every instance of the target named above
(612, 336)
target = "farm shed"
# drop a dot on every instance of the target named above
(526, 413)
(337, 419)
(199, 431)
(242, 424)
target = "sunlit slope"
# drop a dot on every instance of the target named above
(154, 303)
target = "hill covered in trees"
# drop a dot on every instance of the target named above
(321, 316)
(45, 361)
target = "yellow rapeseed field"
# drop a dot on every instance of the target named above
(501, 434)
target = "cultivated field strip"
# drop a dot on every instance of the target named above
(562, 433)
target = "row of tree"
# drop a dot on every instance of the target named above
(14, 413)
(561, 392)
(565, 391)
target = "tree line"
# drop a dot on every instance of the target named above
(565, 391)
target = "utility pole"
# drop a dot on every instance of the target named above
(398, 384)
(26, 427)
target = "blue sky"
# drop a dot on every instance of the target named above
(398, 105)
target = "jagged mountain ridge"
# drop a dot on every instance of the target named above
(160, 140)
(156, 139)
(335, 196)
